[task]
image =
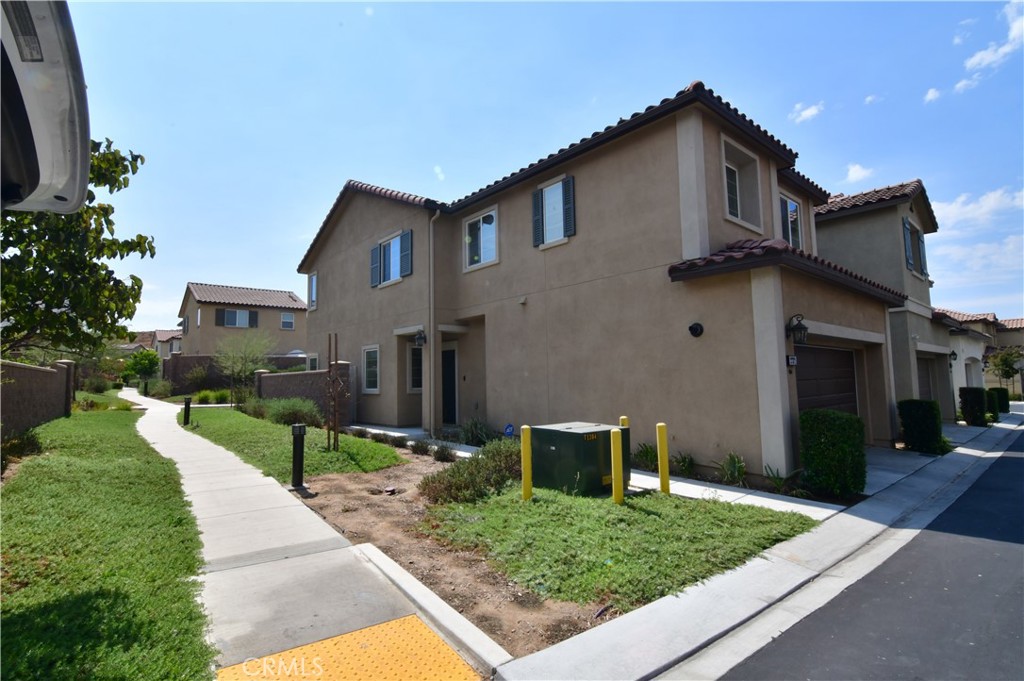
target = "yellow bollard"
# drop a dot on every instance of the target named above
(617, 466)
(527, 455)
(662, 431)
(623, 422)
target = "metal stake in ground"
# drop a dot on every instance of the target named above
(298, 454)
(188, 410)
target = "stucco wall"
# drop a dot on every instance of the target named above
(310, 385)
(34, 395)
(204, 336)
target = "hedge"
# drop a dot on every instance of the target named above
(973, 405)
(921, 421)
(992, 404)
(1003, 395)
(832, 453)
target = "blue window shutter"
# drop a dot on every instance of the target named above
(254, 319)
(908, 244)
(405, 264)
(374, 266)
(538, 218)
(924, 263)
(568, 207)
(218, 317)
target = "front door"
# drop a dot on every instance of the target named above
(449, 384)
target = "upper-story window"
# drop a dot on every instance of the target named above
(391, 259)
(791, 220)
(312, 291)
(742, 185)
(913, 248)
(184, 325)
(288, 321)
(481, 239)
(554, 211)
(241, 319)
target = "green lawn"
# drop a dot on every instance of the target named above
(108, 398)
(586, 549)
(99, 551)
(268, 446)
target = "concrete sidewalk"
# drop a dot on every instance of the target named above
(277, 576)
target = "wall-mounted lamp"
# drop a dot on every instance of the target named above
(797, 329)
(420, 339)
(953, 356)
(696, 329)
(984, 364)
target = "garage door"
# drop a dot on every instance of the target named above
(825, 379)
(924, 378)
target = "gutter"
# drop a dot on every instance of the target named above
(431, 322)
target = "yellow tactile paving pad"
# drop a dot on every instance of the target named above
(404, 650)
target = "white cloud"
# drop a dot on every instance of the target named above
(368, 11)
(872, 99)
(995, 54)
(803, 113)
(967, 83)
(439, 173)
(958, 40)
(855, 172)
(931, 95)
(982, 212)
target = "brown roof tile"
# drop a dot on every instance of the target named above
(1015, 323)
(240, 295)
(164, 336)
(750, 253)
(964, 317)
(896, 193)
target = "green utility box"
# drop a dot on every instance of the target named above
(577, 457)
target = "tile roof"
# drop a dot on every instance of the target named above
(896, 193)
(802, 181)
(164, 336)
(964, 317)
(240, 295)
(750, 253)
(145, 339)
(1015, 323)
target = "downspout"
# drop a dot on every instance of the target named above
(430, 323)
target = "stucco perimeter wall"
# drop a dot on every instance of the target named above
(310, 385)
(34, 395)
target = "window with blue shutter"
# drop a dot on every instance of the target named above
(391, 259)
(924, 263)
(375, 266)
(554, 212)
(405, 266)
(908, 244)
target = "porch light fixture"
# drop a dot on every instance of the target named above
(420, 339)
(953, 355)
(797, 329)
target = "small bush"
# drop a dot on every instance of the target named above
(399, 441)
(476, 433)
(18, 446)
(1003, 398)
(921, 421)
(733, 469)
(358, 432)
(96, 384)
(420, 447)
(381, 438)
(116, 385)
(645, 457)
(832, 452)
(222, 396)
(991, 406)
(196, 377)
(254, 408)
(973, 404)
(289, 410)
(444, 453)
(682, 465)
(489, 471)
(160, 389)
(204, 397)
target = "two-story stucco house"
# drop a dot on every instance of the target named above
(654, 269)
(881, 234)
(211, 313)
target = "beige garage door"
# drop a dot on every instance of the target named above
(825, 379)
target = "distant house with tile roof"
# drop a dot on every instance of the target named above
(657, 268)
(211, 313)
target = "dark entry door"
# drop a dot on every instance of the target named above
(449, 387)
(924, 378)
(825, 379)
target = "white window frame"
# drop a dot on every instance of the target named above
(199, 317)
(238, 313)
(410, 388)
(392, 244)
(288, 328)
(312, 292)
(367, 349)
(466, 264)
(312, 361)
(798, 241)
(747, 167)
(561, 212)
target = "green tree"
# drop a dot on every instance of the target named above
(58, 289)
(144, 364)
(239, 356)
(1004, 365)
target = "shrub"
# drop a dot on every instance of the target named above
(489, 471)
(973, 404)
(645, 457)
(682, 465)
(289, 410)
(992, 406)
(733, 469)
(1003, 397)
(399, 441)
(222, 396)
(254, 408)
(444, 453)
(17, 446)
(476, 433)
(116, 385)
(832, 452)
(87, 405)
(358, 432)
(96, 384)
(921, 421)
(160, 389)
(420, 447)
(196, 377)
(204, 397)
(382, 438)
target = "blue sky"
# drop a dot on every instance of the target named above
(252, 115)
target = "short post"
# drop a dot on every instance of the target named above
(623, 422)
(298, 453)
(188, 410)
(617, 492)
(662, 431)
(526, 451)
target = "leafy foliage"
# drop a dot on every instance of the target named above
(645, 457)
(832, 453)
(973, 402)
(733, 469)
(238, 358)
(476, 432)
(58, 288)
(1004, 363)
(497, 464)
(143, 363)
(922, 426)
(289, 410)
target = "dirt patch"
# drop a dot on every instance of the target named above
(516, 618)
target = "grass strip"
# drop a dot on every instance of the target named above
(268, 446)
(109, 399)
(99, 551)
(586, 549)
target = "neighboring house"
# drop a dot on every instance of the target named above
(168, 342)
(652, 269)
(1011, 333)
(881, 234)
(971, 338)
(211, 313)
(995, 334)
